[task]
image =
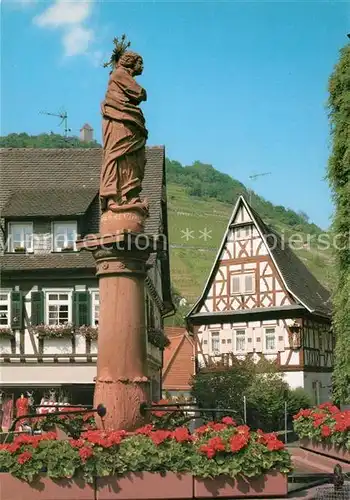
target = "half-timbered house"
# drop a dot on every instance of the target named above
(47, 199)
(260, 299)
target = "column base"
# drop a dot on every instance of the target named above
(122, 400)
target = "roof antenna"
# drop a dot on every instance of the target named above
(64, 119)
(253, 178)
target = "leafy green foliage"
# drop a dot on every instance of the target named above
(49, 141)
(339, 179)
(264, 388)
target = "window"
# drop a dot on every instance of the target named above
(240, 340)
(270, 339)
(58, 308)
(64, 236)
(215, 342)
(242, 232)
(4, 310)
(20, 236)
(242, 284)
(229, 341)
(95, 308)
(223, 341)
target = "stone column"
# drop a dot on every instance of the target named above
(122, 382)
(122, 379)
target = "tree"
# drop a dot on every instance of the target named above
(339, 179)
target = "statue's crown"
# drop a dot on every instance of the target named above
(120, 47)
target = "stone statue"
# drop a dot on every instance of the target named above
(124, 133)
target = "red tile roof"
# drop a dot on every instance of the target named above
(178, 361)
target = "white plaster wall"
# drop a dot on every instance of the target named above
(45, 374)
(58, 346)
(294, 379)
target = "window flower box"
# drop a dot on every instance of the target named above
(6, 333)
(54, 331)
(20, 250)
(89, 332)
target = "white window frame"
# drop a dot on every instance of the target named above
(11, 226)
(242, 283)
(245, 340)
(55, 248)
(58, 291)
(8, 303)
(215, 334)
(93, 304)
(265, 339)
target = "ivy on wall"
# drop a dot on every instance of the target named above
(339, 179)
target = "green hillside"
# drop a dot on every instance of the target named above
(200, 202)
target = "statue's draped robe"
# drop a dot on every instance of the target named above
(124, 138)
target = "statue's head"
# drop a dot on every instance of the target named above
(132, 62)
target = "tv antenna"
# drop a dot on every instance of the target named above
(253, 178)
(64, 119)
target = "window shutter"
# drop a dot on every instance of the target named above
(249, 340)
(249, 283)
(235, 284)
(37, 316)
(259, 334)
(16, 310)
(81, 308)
(280, 340)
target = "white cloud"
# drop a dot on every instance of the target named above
(76, 40)
(71, 18)
(63, 13)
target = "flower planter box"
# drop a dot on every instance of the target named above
(44, 488)
(273, 484)
(145, 486)
(328, 449)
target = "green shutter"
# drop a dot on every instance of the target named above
(81, 308)
(16, 310)
(37, 316)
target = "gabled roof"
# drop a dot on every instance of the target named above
(54, 202)
(296, 277)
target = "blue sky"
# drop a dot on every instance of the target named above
(240, 85)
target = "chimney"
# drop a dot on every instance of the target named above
(86, 133)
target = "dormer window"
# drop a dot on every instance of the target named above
(64, 236)
(20, 237)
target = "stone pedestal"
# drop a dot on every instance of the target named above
(122, 382)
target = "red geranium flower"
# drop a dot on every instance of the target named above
(181, 435)
(228, 421)
(24, 457)
(237, 442)
(158, 437)
(326, 431)
(85, 453)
